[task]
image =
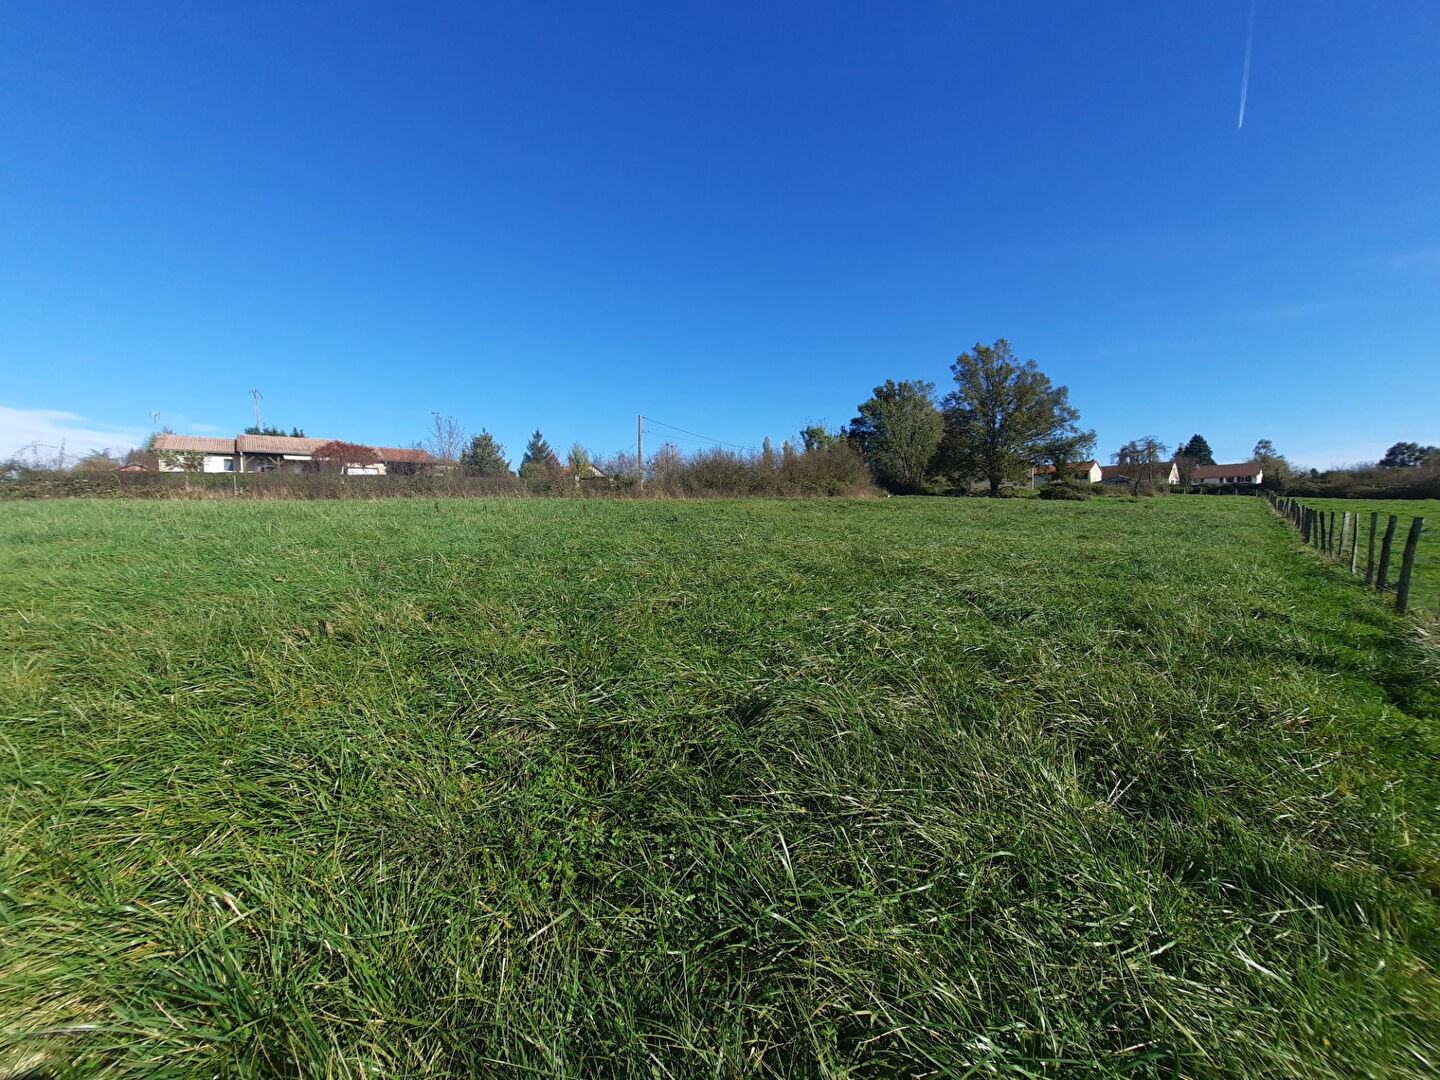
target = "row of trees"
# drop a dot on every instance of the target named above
(817, 462)
(1407, 470)
(1003, 418)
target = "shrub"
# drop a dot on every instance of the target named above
(1067, 490)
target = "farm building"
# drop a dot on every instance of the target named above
(272, 453)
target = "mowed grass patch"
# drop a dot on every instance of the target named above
(1425, 582)
(892, 787)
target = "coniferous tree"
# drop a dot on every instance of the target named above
(539, 460)
(1197, 450)
(484, 456)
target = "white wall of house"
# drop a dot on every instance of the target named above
(289, 463)
(1239, 478)
(210, 463)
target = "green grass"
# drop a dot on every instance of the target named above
(1425, 583)
(881, 788)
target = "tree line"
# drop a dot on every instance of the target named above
(1002, 419)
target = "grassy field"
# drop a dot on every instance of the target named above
(789, 789)
(1425, 584)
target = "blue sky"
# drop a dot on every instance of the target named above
(735, 218)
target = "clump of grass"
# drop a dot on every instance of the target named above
(775, 789)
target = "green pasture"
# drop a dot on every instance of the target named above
(882, 788)
(1425, 584)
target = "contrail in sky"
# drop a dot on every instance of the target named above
(1245, 78)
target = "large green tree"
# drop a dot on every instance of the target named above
(897, 432)
(1405, 455)
(484, 456)
(1004, 417)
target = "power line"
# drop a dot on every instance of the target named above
(697, 435)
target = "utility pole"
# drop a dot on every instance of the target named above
(257, 396)
(640, 449)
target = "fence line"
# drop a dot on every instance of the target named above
(1318, 529)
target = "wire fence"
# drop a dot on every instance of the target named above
(1338, 535)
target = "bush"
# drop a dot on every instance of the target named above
(1065, 490)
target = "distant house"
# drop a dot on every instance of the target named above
(272, 453)
(1087, 472)
(1243, 474)
(1156, 472)
(194, 453)
(590, 472)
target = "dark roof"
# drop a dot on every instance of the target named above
(1219, 472)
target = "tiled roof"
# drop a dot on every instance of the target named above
(1219, 472)
(1078, 466)
(403, 453)
(277, 444)
(205, 444)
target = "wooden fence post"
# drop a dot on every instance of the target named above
(1370, 562)
(1344, 533)
(1355, 545)
(1407, 563)
(1385, 553)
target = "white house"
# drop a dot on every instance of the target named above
(1246, 472)
(271, 453)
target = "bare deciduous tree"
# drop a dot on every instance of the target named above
(446, 440)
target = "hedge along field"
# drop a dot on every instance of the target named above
(875, 788)
(1425, 583)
